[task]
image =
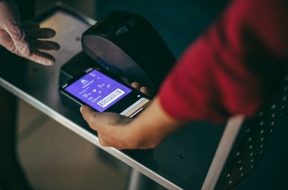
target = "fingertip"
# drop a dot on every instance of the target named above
(144, 90)
(48, 45)
(46, 62)
(57, 46)
(135, 85)
(50, 32)
(84, 109)
(49, 62)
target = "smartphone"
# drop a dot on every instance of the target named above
(104, 92)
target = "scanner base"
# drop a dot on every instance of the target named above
(75, 66)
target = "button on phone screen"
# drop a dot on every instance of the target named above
(98, 90)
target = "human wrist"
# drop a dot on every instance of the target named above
(152, 126)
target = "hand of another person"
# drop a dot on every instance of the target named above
(145, 131)
(23, 38)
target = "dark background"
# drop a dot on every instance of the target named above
(179, 22)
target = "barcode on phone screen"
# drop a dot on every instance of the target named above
(110, 98)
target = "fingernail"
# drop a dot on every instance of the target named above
(51, 33)
(58, 47)
(49, 63)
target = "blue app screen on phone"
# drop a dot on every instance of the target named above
(98, 90)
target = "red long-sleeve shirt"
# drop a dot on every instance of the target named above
(225, 71)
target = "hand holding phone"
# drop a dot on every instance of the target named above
(145, 131)
(104, 93)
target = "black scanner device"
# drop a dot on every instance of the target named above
(128, 46)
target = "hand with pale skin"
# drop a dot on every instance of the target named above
(147, 130)
(23, 38)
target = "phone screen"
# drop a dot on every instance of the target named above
(98, 90)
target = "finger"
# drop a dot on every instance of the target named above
(144, 90)
(102, 142)
(87, 114)
(40, 33)
(30, 25)
(96, 120)
(41, 57)
(18, 37)
(45, 45)
(90, 117)
(136, 85)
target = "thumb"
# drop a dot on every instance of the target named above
(88, 116)
(16, 33)
(99, 121)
